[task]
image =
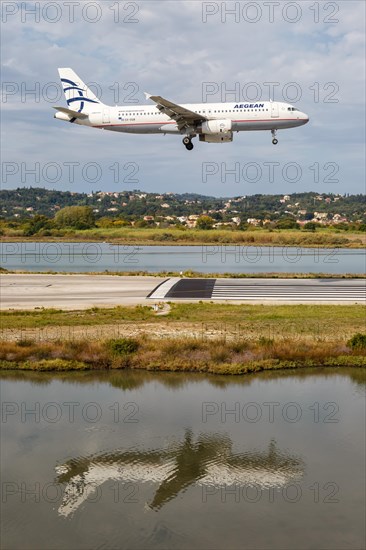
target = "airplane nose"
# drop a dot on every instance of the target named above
(305, 118)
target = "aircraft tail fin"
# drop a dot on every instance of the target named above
(78, 95)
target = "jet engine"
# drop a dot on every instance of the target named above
(216, 127)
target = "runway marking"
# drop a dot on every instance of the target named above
(301, 290)
(162, 290)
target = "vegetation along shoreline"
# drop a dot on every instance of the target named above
(200, 337)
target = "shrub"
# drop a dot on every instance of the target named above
(219, 354)
(53, 364)
(239, 346)
(164, 237)
(310, 226)
(265, 342)
(25, 343)
(204, 222)
(357, 342)
(78, 217)
(123, 346)
(287, 223)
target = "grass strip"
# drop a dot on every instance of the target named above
(223, 356)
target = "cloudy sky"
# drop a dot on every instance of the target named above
(313, 51)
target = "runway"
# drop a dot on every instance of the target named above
(30, 291)
(265, 290)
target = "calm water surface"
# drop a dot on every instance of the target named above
(135, 460)
(89, 257)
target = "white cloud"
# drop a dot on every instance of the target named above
(170, 51)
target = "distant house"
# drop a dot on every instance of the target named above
(320, 217)
(338, 218)
(253, 221)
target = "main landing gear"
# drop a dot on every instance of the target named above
(187, 141)
(274, 140)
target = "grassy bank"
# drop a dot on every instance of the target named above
(184, 355)
(255, 236)
(200, 337)
(197, 274)
(325, 321)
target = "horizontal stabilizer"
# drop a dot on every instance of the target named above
(71, 113)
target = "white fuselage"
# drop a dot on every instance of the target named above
(147, 119)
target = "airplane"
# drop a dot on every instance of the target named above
(208, 461)
(212, 122)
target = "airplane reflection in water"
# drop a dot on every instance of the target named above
(208, 461)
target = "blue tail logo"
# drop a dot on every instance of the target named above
(80, 91)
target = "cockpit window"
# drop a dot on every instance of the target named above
(292, 109)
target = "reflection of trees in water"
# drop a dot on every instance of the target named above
(36, 378)
(209, 461)
(358, 376)
(129, 379)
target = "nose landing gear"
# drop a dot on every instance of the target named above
(187, 141)
(274, 140)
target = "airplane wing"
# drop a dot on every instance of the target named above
(183, 117)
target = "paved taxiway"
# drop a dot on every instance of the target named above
(29, 291)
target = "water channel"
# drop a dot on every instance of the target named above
(90, 257)
(138, 460)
